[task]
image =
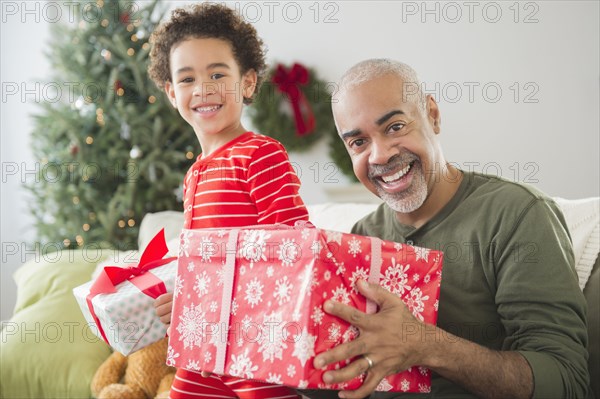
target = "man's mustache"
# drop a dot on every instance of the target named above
(396, 162)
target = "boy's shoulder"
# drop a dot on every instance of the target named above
(252, 142)
(260, 139)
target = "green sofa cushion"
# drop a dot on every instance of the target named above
(47, 349)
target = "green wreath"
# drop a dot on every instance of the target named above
(273, 114)
(339, 155)
(294, 107)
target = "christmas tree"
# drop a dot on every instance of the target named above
(114, 149)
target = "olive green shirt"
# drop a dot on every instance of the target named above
(508, 280)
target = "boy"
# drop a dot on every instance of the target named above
(210, 62)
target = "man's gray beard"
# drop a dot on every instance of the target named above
(411, 199)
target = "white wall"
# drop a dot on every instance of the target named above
(22, 65)
(543, 56)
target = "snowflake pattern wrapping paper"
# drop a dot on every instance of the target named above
(248, 302)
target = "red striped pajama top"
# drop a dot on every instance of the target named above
(246, 182)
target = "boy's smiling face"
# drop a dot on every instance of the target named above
(208, 89)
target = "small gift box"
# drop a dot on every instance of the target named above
(248, 302)
(119, 303)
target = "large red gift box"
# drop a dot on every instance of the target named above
(248, 302)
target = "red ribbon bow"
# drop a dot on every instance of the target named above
(289, 82)
(139, 275)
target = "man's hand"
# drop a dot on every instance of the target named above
(163, 305)
(394, 340)
(391, 338)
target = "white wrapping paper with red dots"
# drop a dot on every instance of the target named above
(128, 316)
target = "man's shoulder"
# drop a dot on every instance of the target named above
(501, 191)
(490, 197)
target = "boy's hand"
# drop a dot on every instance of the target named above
(164, 305)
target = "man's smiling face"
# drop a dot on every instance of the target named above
(391, 140)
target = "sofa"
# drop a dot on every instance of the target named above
(48, 351)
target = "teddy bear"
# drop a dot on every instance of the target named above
(144, 374)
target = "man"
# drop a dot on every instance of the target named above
(511, 320)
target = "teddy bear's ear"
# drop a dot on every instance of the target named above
(109, 372)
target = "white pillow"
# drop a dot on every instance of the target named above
(583, 221)
(171, 221)
(338, 216)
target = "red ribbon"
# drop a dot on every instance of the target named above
(289, 82)
(139, 275)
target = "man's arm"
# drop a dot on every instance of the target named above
(394, 340)
(540, 306)
(484, 372)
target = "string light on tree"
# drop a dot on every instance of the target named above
(106, 54)
(84, 106)
(119, 88)
(99, 118)
(135, 152)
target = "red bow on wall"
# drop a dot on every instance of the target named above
(289, 82)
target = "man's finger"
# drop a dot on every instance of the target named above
(357, 367)
(342, 352)
(365, 389)
(347, 313)
(376, 293)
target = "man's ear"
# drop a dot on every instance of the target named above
(433, 114)
(249, 81)
(170, 91)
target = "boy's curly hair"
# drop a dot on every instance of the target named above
(207, 20)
